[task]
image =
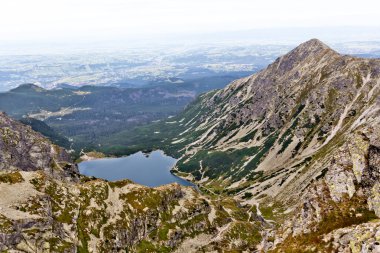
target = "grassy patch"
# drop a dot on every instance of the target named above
(249, 136)
(11, 178)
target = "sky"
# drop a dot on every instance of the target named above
(68, 20)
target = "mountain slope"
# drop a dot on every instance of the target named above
(43, 128)
(24, 149)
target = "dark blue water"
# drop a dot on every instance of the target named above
(151, 169)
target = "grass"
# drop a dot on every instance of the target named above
(215, 163)
(249, 136)
(246, 233)
(247, 195)
(268, 144)
(11, 178)
(6, 226)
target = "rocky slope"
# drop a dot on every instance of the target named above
(24, 149)
(340, 208)
(45, 206)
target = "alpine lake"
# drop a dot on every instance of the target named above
(152, 169)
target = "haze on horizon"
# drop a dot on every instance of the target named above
(143, 21)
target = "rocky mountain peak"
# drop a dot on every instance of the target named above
(313, 44)
(299, 138)
(308, 53)
(311, 47)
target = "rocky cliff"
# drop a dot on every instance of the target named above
(26, 150)
(339, 210)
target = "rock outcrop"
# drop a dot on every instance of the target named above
(24, 149)
(341, 203)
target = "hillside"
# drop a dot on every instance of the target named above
(44, 129)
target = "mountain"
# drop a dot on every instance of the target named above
(27, 87)
(299, 138)
(26, 150)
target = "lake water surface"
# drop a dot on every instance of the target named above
(151, 169)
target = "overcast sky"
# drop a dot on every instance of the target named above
(67, 19)
(72, 26)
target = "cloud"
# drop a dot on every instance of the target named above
(47, 19)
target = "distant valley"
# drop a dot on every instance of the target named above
(145, 66)
(135, 67)
(85, 114)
